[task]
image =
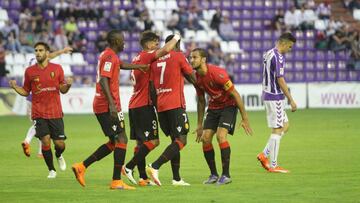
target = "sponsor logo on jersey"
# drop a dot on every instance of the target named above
(146, 133)
(228, 85)
(107, 66)
(179, 128)
(114, 127)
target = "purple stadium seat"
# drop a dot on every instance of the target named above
(77, 70)
(15, 4)
(310, 76)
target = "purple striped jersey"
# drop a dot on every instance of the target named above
(274, 64)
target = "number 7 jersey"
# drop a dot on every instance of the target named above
(167, 74)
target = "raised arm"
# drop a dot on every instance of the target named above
(244, 117)
(285, 89)
(55, 54)
(167, 47)
(21, 91)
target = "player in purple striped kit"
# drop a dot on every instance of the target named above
(274, 92)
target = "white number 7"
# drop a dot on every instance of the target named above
(162, 65)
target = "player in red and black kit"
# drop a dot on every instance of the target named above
(168, 77)
(220, 118)
(142, 115)
(108, 112)
(45, 80)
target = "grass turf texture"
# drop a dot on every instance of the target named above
(321, 150)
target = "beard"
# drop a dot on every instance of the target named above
(40, 59)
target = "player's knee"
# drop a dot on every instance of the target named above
(286, 127)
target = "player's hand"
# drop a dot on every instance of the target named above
(69, 81)
(12, 83)
(246, 125)
(198, 132)
(113, 112)
(67, 50)
(293, 106)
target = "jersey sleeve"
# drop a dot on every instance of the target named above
(27, 81)
(107, 66)
(279, 66)
(61, 76)
(222, 79)
(185, 66)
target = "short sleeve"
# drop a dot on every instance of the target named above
(185, 66)
(27, 81)
(61, 76)
(279, 66)
(222, 79)
(107, 66)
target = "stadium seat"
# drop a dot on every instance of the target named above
(9, 58)
(67, 70)
(160, 4)
(18, 70)
(65, 59)
(150, 4)
(20, 59)
(78, 59)
(171, 4)
(159, 25)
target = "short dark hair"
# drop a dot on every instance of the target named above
(203, 53)
(147, 36)
(288, 37)
(47, 47)
(170, 37)
(111, 36)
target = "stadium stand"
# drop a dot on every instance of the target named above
(250, 19)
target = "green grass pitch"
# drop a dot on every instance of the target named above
(321, 150)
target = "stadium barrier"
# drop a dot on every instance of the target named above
(311, 95)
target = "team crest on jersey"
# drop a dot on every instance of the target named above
(211, 84)
(221, 75)
(122, 124)
(52, 74)
(186, 126)
(179, 128)
(114, 127)
(146, 133)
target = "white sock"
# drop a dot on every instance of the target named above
(40, 145)
(274, 145)
(30, 134)
(266, 150)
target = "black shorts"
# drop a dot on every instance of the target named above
(112, 128)
(52, 127)
(224, 118)
(174, 122)
(143, 124)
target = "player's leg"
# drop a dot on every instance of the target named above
(143, 123)
(221, 136)
(210, 126)
(120, 140)
(39, 150)
(226, 126)
(173, 149)
(57, 133)
(277, 126)
(26, 143)
(101, 152)
(43, 133)
(30, 133)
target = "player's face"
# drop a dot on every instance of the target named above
(41, 53)
(287, 46)
(120, 42)
(154, 44)
(195, 59)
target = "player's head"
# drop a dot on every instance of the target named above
(115, 39)
(149, 40)
(198, 57)
(285, 42)
(42, 50)
(170, 37)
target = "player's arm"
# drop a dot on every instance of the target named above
(130, 66)
(191, 79)
(285, 89)
(55, 54)
(167, 47)
(20, 90)
(64, 88)
(240, 105)
(104, 83)
(200, 116)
